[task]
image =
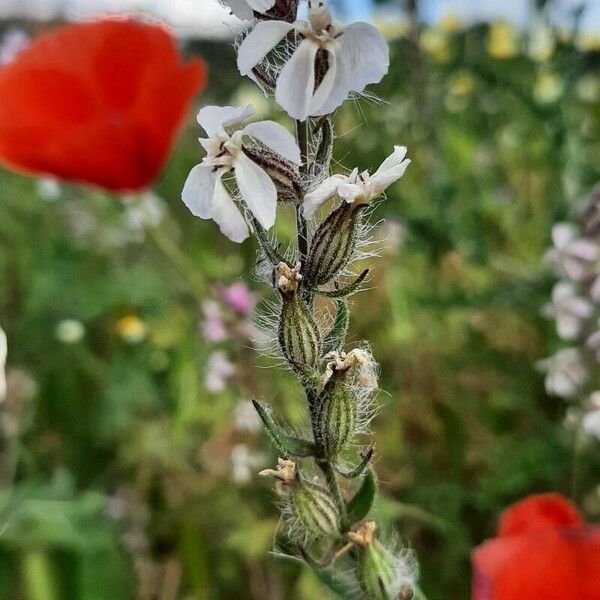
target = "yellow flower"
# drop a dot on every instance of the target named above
(131, 329)
(503, 41)
(548, 88)
(451, 23)
(588, 41)
(435, 43)
(462, 84)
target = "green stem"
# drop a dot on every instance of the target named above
(301, 225)
(180, 260)
(37, 576)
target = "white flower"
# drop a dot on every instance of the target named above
(359, 188)
(356, 55)
(569, 310)
(571, 255)
(69, 331)
(565, 373)
(204, 192)
(245, 418)
(243, 462)
(219, 371)
(244, 9)
(591, 423)
(48, 189)
(3, 356)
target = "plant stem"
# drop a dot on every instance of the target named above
(180, 260)
(301, 225)
(334, 488)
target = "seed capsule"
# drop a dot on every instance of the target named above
(333, 244)
(299, 334)
(382, 574)
(342, 406)
(310, 508)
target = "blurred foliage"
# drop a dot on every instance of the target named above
(122, 459)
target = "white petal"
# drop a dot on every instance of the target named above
(382, 181)
(261, 6)
(324, 90)
(228, 216)
(239, 8)
(198, 191)
(321, 194)
(365, 56)
(568, 326)
(350, 192)
(362, 57)
(562, 234)
(259, 42)
(257, 189)
(277, 138)
(213, 118)
(296, 82)
(394, 159)
(3, 356)
(584, 249)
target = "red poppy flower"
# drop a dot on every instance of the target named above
(544, 551)
(97, 103)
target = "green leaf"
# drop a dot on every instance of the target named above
(360, 505)
(348, 290)
(336, 337)
(286, 446)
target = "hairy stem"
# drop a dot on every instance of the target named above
(301, 225)
(333, 486)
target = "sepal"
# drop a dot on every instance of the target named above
(286, 445)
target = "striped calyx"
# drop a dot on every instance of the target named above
(284, 175)
(299, 335)
(337, 416)
(310, 507)
(382, 575)
(333, 244)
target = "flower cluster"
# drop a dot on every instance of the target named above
(249, 170)
(572, 372)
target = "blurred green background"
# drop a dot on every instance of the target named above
(129, 452)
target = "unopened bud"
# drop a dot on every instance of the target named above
(309, 507)
(382, 574)
(333, 244)
(299, 334)
(342, 407)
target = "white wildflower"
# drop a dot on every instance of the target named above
(356, 55)
(359, 188)
(243, 463)
(69, 331)
(565, 373)
(569, 310)
(591, 420)
(219, 371)
(205, 193)
(48, 189)
(572, 255)
(245, 418)
(3, 357)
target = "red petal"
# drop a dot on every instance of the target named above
(535, 512)
(99, 103)
(547, 564)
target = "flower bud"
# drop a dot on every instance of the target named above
(333, 244)
(310, 509)
(383, 575)
(343, 407)
(299, 334)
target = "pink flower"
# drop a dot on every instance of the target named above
(219, 371)
(238, 297)
(213, 327)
